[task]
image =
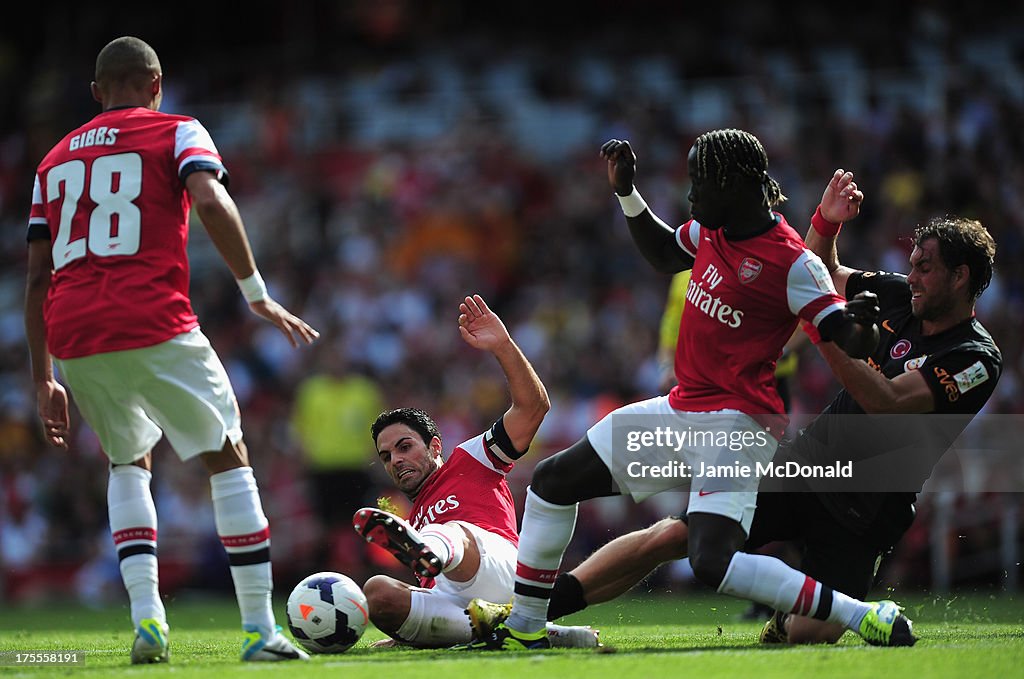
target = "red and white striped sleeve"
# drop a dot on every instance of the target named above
(484, 450)
(810, 291)
(38, 222)
(688, 237)
(194, 150)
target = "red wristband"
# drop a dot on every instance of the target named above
(812, 332)
(823, 226)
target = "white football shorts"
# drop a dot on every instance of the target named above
(650, 447)
(495, 578)
(177, 388)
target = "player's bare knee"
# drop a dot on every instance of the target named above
(577, 473)
(468, 541)
(811, 631)
(144, 462)
(376, 591)
(710, 565)
(713, 541)
(388, 602)
(230, 456)
(667, 540)
(548, 483)
(469, 562)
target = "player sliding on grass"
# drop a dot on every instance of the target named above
(929, 323)
(752, 280)
(460, 540)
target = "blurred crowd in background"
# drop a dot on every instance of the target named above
(390, 158)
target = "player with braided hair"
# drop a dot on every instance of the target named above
(753, 280)
(935, 358)
(735, 153)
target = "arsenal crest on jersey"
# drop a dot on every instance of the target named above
(749, 269)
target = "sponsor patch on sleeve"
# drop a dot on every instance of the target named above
(971, 376)
(821, 276)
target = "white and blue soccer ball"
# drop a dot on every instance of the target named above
(327, 613)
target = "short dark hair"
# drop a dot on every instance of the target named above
(414, 418)
(126, 59)
(737, 155)
(962, 241)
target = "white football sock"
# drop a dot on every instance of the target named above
(561, 636)
(245, 534)
(447, 542)
(769, 581)
(435, 621)
(133, 525)
(546, 532)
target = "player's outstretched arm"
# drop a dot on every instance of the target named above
(51, 397)
(223, 222)
(904, 394)
(840, 203)
(654, 238)
(481, 328)
(907, 393)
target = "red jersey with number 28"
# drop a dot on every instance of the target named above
(112, 196)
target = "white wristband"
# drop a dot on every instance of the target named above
(633, 205)
(253, 288)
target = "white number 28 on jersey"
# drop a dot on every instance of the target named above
(114, 223)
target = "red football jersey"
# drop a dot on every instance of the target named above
(112, 196)
(742, 306)
(470, 486)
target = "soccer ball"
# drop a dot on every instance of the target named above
(327, 613)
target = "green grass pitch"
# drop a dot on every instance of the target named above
(686, 634)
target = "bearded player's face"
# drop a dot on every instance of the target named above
(406, 458)
(930, 281)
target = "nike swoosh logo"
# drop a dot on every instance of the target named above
(702, 493)
(885, 324)
(284, 654)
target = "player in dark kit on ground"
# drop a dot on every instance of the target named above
(107, 298)
(752, 279)
(935, 357)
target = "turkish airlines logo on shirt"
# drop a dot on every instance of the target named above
(750, 269)
(900, 349)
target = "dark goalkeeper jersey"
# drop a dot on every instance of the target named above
(894, 454)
